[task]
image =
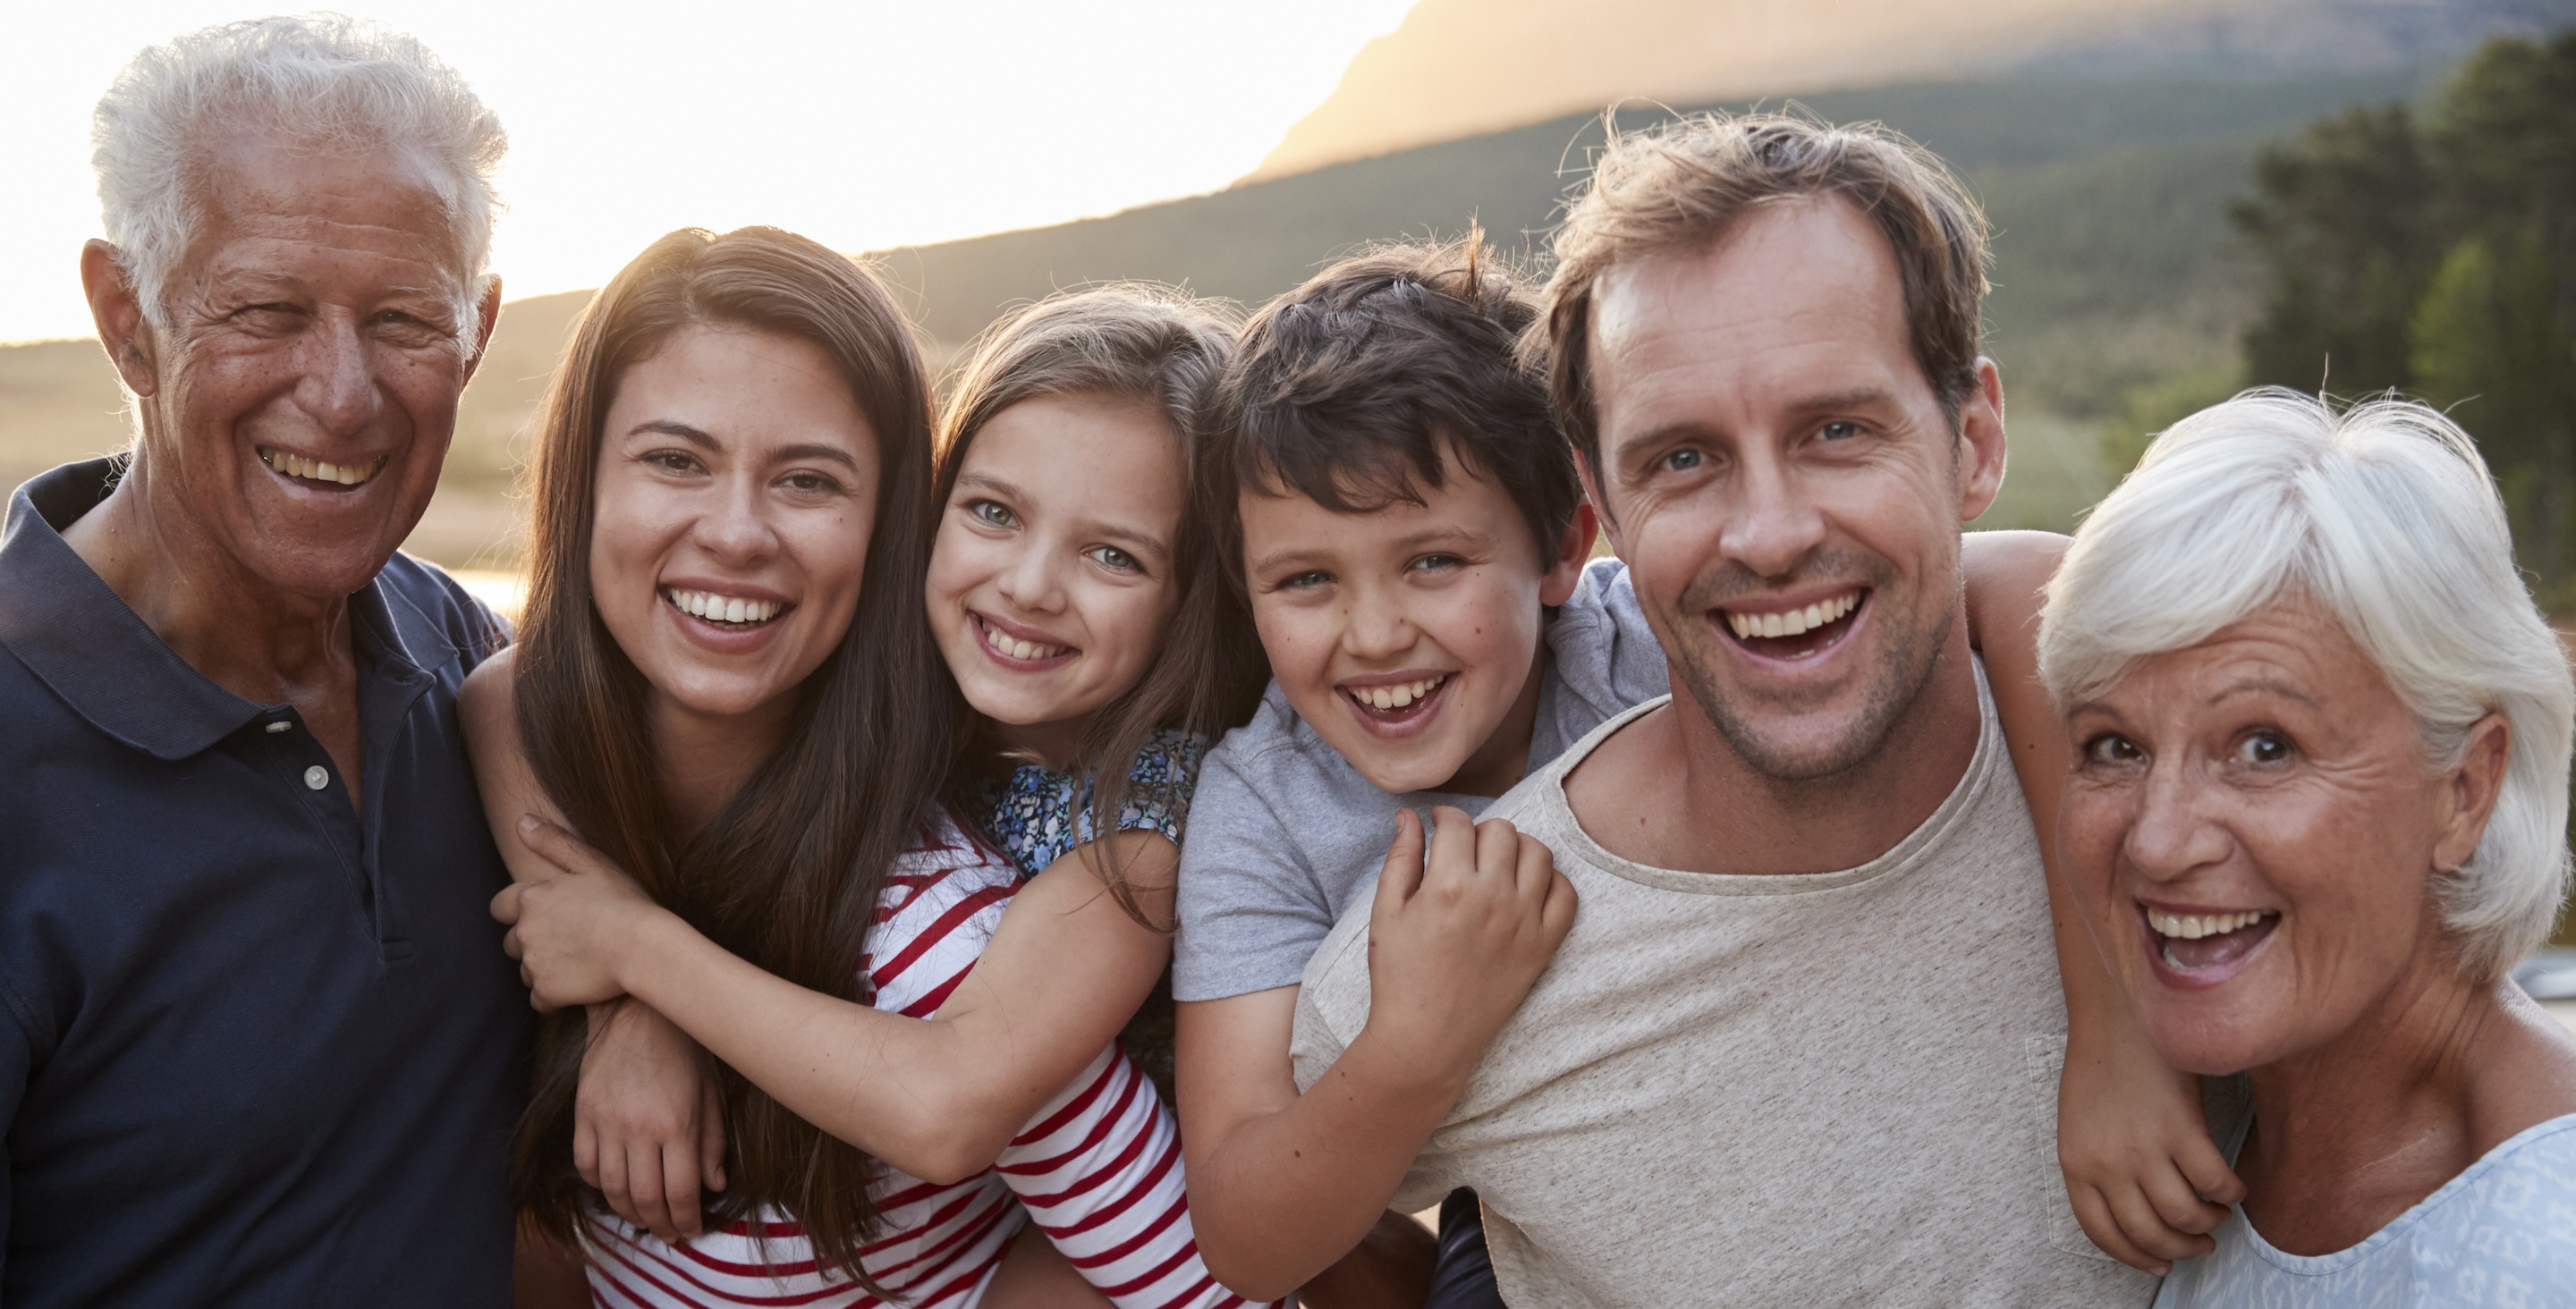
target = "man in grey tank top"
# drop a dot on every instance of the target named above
(1802, 1043)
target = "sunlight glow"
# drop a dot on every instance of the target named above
(863, 125)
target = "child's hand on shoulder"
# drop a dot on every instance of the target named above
(1458, 934)
(2145, 1179)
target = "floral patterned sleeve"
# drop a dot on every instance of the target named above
(1039, 815)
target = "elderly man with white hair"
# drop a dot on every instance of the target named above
(2318, 811)
(258, 1042)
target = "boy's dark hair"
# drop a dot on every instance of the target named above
(1346, 389)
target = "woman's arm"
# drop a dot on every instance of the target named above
(938, 1099)
(2132, 1143)
(647, 1131)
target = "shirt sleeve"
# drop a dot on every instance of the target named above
(1251, 912)
(1099, 1171)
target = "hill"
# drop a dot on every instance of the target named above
(1460, 68)
(2112, 263)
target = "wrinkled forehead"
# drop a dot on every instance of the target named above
(1795, 299)
(262, 200)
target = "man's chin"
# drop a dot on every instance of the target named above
(1805, 742)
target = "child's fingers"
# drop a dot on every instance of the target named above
(2146, 1228)
(1556, 917)
(2179, 1204)
(1402, 872)
(1451, 858)
(1498, 853)
(505, 906)
(2207, 1171)
(2093, 1214)
(1533, 872)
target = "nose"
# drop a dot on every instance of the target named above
(2171, 831)
(735, 529)
(1032, 579)
(1773, 524)
(1375, 624)
(338, 388)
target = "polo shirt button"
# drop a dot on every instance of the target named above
(317, 777)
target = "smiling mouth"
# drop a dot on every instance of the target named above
(2199, 943)
(1796, 633)
(730, 611)
(314, 471)
(1011, 647)
(1400, 702)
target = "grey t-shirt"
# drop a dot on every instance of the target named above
(1811, 1089)
(1283, 830)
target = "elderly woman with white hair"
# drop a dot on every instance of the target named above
(2318, 811)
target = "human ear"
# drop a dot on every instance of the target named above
(1606, 522)
(2469, 792)
(1981, 442)
(487, 314)
(122, 329)
(1571, 555)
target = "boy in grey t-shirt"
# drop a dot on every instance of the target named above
(1413, 548)
(1284, 831)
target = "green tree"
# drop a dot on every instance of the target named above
(2492, 345)
(2345, 221)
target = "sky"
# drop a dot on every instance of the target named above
(863, 124)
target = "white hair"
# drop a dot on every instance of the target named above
(322, 81)
(2385, 518)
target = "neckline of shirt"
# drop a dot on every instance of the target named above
(1558, 814)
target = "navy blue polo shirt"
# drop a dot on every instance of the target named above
(256, 1048)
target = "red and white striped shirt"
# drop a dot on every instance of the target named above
(1098, 1169)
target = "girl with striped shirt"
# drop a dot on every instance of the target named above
(975, 1063)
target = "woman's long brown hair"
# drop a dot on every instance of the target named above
(788, 874)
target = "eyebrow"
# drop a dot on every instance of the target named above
(784, 454)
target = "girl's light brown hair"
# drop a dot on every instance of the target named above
(788, 874)
(1157, 346)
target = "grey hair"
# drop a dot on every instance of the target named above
(317, 81)
(2385, 518)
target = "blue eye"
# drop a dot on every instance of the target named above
(2263, 747)
(1839, 430)
(1311, 577)
(1682, 461)
(992, 513)
(1116, 560)
(2112, 748)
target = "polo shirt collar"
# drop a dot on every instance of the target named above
(78, 636)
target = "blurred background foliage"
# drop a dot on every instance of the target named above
(2432, 253)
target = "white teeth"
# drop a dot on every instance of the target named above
(724, 609)
(319, 471)
(1395, 697)
(2192, 927)
(1795, 622)
(1019, 649)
